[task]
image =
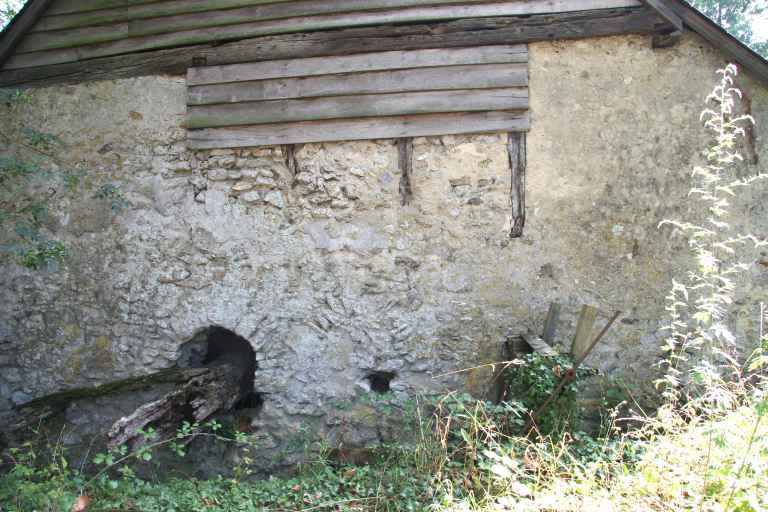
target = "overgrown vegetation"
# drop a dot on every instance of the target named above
(705, 449)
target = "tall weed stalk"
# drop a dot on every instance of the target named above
(701, 351)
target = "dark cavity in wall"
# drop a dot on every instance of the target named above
(379, 381)
(218, 345)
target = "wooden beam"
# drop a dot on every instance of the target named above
(472, 32)
(356, 129)
(189, 36)
(20, 25)
(517, 154)
(550, 324)
(665, 12)
(405, 160)
(583, 336)
(369, 105)
(385, 60)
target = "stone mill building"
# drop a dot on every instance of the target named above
(357, 196)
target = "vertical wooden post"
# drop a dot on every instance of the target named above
(289, 155)
(516, 149)
(583, 335)
(551, 323)
(405, 152)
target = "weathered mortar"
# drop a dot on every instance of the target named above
(330, 278)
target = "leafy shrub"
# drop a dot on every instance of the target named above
(532, 380)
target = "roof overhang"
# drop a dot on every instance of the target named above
(676, 13)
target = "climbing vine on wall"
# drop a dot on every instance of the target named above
(32, 178)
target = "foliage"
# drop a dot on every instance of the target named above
(700, 346)
(737, 16)
(534, 377)
(8, 9)
(392, 482)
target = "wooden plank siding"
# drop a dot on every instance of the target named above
(450, 34)
(365, 96)
(378, 82)
(492, 54)
(358, 129)
(106, 28)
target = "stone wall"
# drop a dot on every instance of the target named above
(330, 278)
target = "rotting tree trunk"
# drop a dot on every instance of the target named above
(209, 390)
(183, 394)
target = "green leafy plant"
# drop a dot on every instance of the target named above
(534, 377)
(700, 346)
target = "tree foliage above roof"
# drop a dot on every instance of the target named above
(738, 18)
(8, 9)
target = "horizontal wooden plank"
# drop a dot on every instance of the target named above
(303, 24)
(137, 27)
(459, 33)
(379, 61)
(36, 41)
(370, 105)
(358, 129)
(486, 76)
(176, 7)
(70, 6)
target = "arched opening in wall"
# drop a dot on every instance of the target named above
(379, 381)
(219, 346)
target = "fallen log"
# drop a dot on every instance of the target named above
(213, 389)
(161, 400)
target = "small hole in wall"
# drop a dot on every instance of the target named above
(379, 381)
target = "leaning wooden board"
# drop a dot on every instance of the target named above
(77, 31)
(364, 96)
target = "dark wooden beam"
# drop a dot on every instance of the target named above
(517, 153)
(469, 32)
(405, 160)
(665, 12)
(12, 35)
